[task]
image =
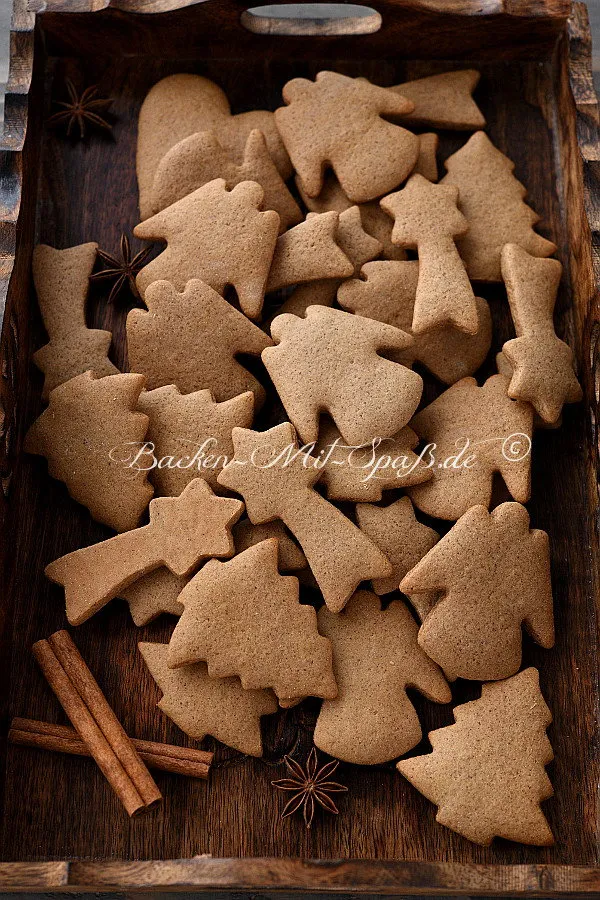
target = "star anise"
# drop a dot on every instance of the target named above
(309, 784)
(123, 270)
(80, 110)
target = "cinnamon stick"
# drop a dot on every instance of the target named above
(88, 728)
(62, 739)
(88, 689)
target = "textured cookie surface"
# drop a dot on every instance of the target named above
(191, 340)
(376, 657)
(244, 618)
(444, 100)
(309, 252)
(86, 435)
(486, 773)
(201, 705)
(338, 120)
(218, 236)
(492, 575)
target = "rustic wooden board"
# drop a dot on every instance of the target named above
(58, 808)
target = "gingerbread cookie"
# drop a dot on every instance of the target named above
(375, 658)
(386, 292)
(218, 236)
(374, 220)
(363, 473)
(355, 243)
(486, 773)
(201, 705)
(276, 480)
(192, 340)
(85, 434)
(337, 120)
(444, 100)
(491, 573)
(541, 364)
(181, 105)
(309, 252)
(426, 217)
(426, 164)
(244, 618)
(61, 279)
(400, 536)
(290, 556)
(182, 531)
(492, 200)
(153, 594)
(329, 361)
(473, 433)
(189, 435)
(200, 158)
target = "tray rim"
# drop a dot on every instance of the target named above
(309, 876)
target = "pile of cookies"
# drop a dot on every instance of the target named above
(339, 280)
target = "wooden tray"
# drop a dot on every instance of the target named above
(62, 827)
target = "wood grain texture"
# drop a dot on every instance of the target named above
(87, 191)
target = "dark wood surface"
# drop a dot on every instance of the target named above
(58, 808)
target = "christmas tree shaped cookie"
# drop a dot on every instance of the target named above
(183, 104)
(376, 657)
(491, 573)
(61, 279)
(182, 531)
(473, 433)
(309, 252)
(386, 291)
(337, 120)
(201, 705)
(400, 536)
(426, 218)
(444, 100)
(542, 364)
(190, 435)
(200, 158)
(191, 340)
(329, 361)
(244, 618)
(492, 200)
(218, 236)
(486, 773)
(87, 434)
(276, 480)
(362, 473)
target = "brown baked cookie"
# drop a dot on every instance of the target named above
(491, 573)
(182, 531)
(426, 164)
(426, 218)
(200, 158)
(244, 618)
(276, 480)
(192, 340)
(492, 200)
(486, 773)
(201, 705)
(218, 236)
(477, 432)
(542, 364)
(86, 434)
(189, 436)
(362, 473)
(309, 252)
(386, 292)
(153, 594)
(337, 120)
(289, 555)
(180, 105)
(374, 220)
(443, 101)
(355, 243)
(330, 362)
(400, 536)
(375, 658)
(61, 279)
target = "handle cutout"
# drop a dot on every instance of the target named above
(311, 19)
